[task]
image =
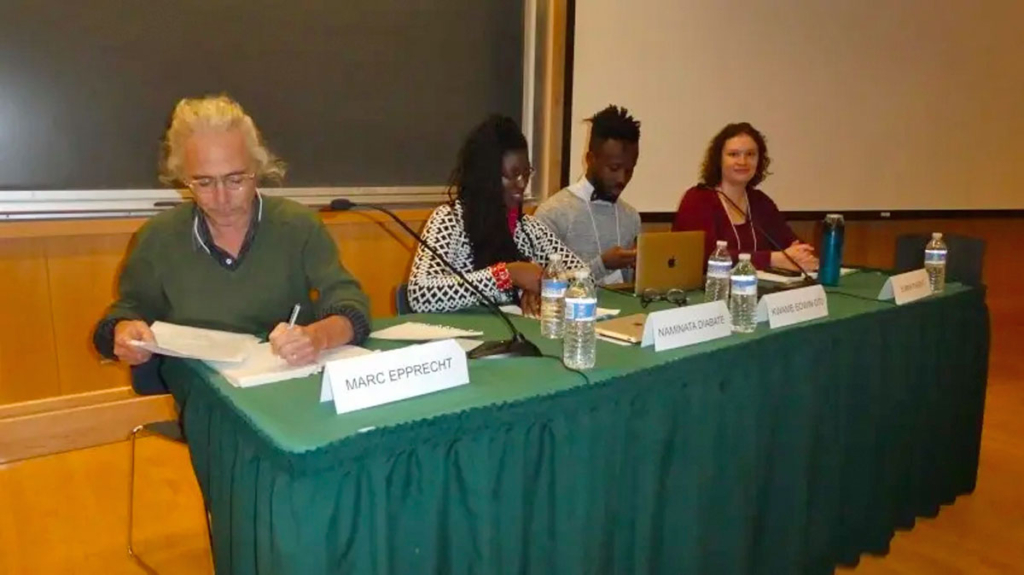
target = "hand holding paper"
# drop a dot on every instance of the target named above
(127, 336)
(196, 343)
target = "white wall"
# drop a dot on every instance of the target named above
(867, 104)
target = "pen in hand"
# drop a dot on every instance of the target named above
(290, 343)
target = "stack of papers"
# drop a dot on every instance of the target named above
(416, 331)
(262, 366)
(240, 358)
(197, 343)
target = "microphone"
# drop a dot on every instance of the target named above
(517, 346)
(808, 280)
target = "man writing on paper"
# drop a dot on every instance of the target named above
(234, 260)
(588, 216)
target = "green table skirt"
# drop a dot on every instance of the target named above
(786, 455)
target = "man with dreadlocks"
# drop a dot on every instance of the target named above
(588, 216)
(483, 232)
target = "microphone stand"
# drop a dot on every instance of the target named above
(517, 346)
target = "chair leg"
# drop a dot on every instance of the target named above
(131, 504)
(131, 488)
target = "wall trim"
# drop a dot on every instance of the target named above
(92, 204)
(570, 53)
(54, 425)
(871, 215)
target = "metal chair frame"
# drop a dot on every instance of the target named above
(154, 430)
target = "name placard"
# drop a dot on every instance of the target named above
(793, 306)
(371, 380)
(684, 326)
(908, 287)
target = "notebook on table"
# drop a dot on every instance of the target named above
(629, 328)
(786, 277)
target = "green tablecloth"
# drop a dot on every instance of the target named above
(779, 452)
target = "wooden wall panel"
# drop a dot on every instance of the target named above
(83, 273)
(378, 252)
(28, 367)
(78, 427)
(873, 243)
(58, 282)
(551, 78)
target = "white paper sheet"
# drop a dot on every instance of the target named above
(262, 366)
(602, 312)
(417, 331)
(197, 343)
(468, 345)
(616, 277)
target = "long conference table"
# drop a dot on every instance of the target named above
(784, 451)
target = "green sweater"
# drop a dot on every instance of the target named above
(170, 276)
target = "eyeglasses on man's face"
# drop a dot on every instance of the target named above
(230, 182)
(676, 297)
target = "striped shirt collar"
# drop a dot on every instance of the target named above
(202, 238)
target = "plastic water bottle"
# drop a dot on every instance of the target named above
(552, 298)
(743, 299)
(719, 269)
(935, 262)
(579, 341)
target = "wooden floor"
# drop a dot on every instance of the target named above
(68, 513)
(983, 533)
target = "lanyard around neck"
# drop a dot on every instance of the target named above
(597, 236)
(750, 219)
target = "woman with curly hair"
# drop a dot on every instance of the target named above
(727, 206)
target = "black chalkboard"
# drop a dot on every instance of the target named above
(347, 92)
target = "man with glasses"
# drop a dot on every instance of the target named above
(234, 259)
(588, 216)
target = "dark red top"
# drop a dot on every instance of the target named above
(701, 210)
(513, 220)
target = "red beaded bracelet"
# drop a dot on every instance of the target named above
(501, 275)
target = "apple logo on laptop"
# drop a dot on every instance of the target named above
(672, 262)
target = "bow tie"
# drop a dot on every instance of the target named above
(595, 196)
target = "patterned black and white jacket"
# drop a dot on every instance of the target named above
(434, 288)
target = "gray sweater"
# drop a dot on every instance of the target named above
(566, 214)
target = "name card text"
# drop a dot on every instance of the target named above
(371, 380)
(908, 287)
(689, 325)
(793, 306)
